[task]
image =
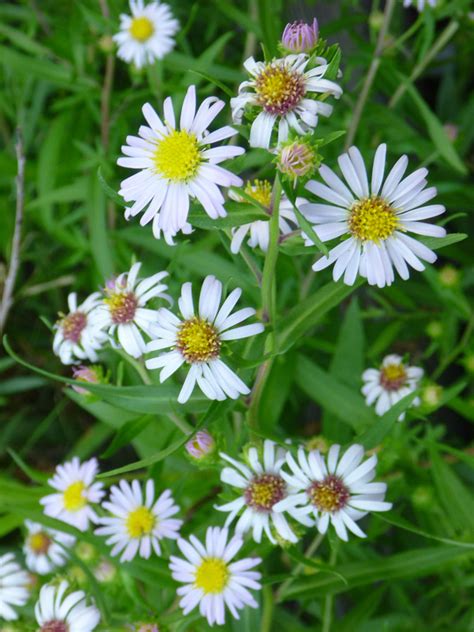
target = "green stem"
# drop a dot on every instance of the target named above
(268, 302)
(371, 74)
(310, 551)
(267, 614)
(182, 424)
(440, 43)
(137, 365)
(329, 600)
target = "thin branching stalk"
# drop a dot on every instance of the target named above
(7, 297)
(439, 44)
(329, 600)
(371, 74)
(310, 551)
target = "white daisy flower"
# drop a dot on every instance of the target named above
(77, 492)
(147, 34)
(123, 312)
(389, 384)
(59, 610)
(261, 190)
(14, 583)
(420, 4)
(261, 487)
(197, 340)
(45, 549)
(339, 491)
(176, 165)
(282, 89)
(139, 521)
(211, 579)
(373, 218)
(78, 336)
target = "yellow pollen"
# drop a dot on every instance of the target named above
(141, 29)
(393, 376)
(39, 543)
(198, 340)
(122, 306)
(212, 575)
(279, 89)
(260, 190)
(372, 219)
(140, 521)
(328, 495)
(73, 496)
(177, 156)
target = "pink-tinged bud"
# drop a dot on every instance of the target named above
(299, 37)
(92, 374)
(297, 160)
(201, 445)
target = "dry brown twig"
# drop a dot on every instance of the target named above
(7, 296)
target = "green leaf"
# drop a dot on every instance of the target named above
(384, 424)
(126, 434)
(347, 363)
(309, 312)
(308, 229)
(239, 214)
(436, 243)
(412, 563)
(342, 401)
(401, 523)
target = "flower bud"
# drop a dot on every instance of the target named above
(105, 572)
(434, 329)
(449, 276)
(201, 445)
(93, 374)
(431, 395)
(299, 37)
(297, 159)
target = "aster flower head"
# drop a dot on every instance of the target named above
(260, 486)
(337, 491)
(283, 92)
(373, 219)
(201, 446)
(147, 34)
(45, 549)
(420, 4)
(197, 341)
(78, 335)
(139, 521)
(14, 587)
(177, 163)
(300, 37)
(297, 159)
(60, 610)
(261, 191)
(123, 312)
(387, 385)
(211, 579)
(76, 493)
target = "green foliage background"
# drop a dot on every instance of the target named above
(414, 572)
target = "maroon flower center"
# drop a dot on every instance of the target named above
(328, 495)
(393, 377)
(279, 89)
(55, 626)
(265, 491)
(122, 306)
(72, 326)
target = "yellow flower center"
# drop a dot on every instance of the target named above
(141, 29)
(122, 306)
(372, 219)
(39, 543)
(393, 377)
(260, 190)
(265, 491)
(177, 156)
(328, 495)
(140, 521)
(279, 89)
(73, 496)
(198, 340)
(212, 575)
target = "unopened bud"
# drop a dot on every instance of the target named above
(299, 37)
(201, 445)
